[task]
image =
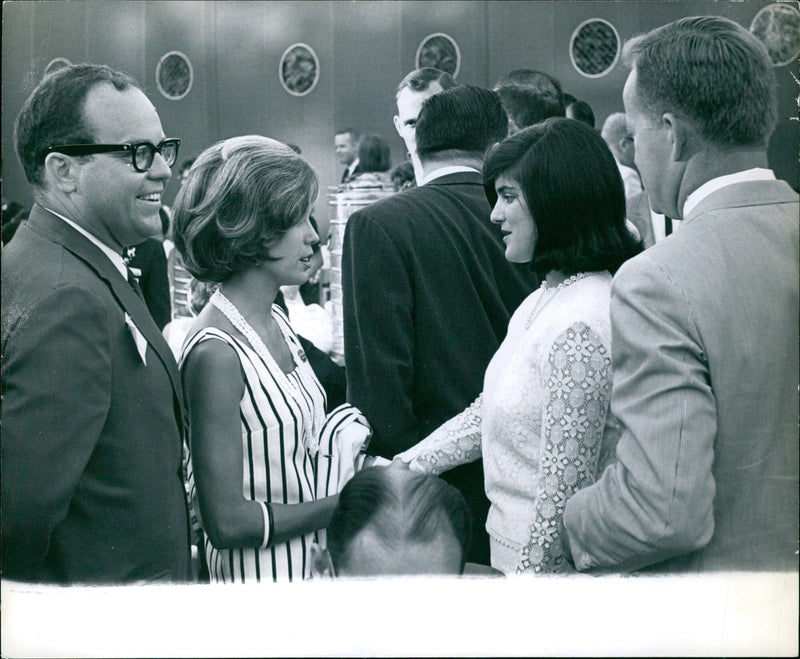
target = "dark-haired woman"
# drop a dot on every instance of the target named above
(255, 405)
(374, 162)
(542, 423)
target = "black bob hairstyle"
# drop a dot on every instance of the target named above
(574, 192)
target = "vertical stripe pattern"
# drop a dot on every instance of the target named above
(277, 466)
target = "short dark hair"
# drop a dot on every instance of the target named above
(414, 509)
(186, 165)
(462, 119)
(420, 79)
(574, 192)
(527, 106)
(53, 113)
(582, 111)
(240, 198)
(351, 132)
(533, 79)
(711, 70)
(374, 154)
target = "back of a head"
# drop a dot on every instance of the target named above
(581, 111)
(614, 128)
(420, 79)
(711, 70)
(53, 113)
(462, 121)
(374, 154)
(396, 522)
(530, 96)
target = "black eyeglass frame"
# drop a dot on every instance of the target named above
(90, 149)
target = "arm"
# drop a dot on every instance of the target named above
(657, 500)
(56, 378)
(228, 518)
(378, 305)
(455, 442)
(577, 392)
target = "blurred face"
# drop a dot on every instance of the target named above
(293, 255)
(112, 200)
(652, 143)
(511, 214)
(409, 103)
(346, 148)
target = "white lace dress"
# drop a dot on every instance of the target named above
(542, 423)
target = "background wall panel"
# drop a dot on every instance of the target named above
(364, 49)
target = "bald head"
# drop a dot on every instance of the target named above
(395, 522)
(616, 134)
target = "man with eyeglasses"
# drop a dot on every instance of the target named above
(93, 422)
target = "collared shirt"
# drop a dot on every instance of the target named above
(112, 255)
(755, 174)
(351, 168)
(660, 227)
(444, 171)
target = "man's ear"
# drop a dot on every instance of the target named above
(682, 136)
(397, 125)
(61, 171)
(321, 563)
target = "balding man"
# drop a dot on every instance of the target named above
(619, 139)
(704, 323)
(391, 522)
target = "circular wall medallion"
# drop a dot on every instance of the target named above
(298, 70)
(594, 48)
(56, 65)
(439, 51)
(174, 75)
(778, 27)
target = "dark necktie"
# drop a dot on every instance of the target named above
(667, 225)
(134, 282)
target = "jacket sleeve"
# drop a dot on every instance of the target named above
(656, 501)
(56, 378)
(378, 334)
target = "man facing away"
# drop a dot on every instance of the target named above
(92, 475)
(705, 324)
(412, 92)
(427, 292)
(528, 97)
(345, 142)
(619, 139)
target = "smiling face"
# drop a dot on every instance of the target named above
(293, 254)
(346, 148)
(111, 199)
(511, 213)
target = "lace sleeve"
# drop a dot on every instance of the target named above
(454, 443)
(578, 385)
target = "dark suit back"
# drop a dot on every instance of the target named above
(427, 296)
(92, 477)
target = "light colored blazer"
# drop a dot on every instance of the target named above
(705, 348)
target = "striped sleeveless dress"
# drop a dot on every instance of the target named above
(276, 411)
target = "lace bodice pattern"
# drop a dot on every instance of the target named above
(541, 424)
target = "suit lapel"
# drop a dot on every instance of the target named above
(61, 233)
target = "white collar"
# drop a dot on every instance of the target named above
(444, 171)
(113, 256)
(352, 166)
(755, 174)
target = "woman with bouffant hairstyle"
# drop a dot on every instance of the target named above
(255, 405)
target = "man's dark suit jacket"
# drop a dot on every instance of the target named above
(92, 477)
(427, 296)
